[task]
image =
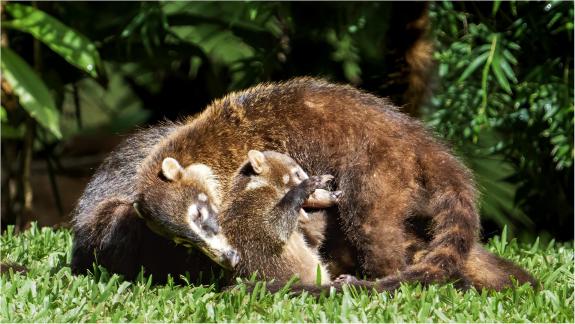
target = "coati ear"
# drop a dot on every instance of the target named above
(257, 160)
(171, 169)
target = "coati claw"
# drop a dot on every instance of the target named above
(303, 214)
(322, 198)
(346, 279)
(319, 182)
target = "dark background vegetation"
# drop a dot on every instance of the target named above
(494, 79)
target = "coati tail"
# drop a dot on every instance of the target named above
(454, 228)
(487, 270)
(449, 204)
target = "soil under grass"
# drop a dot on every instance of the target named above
(50, 293)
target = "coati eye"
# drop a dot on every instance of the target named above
(300, 174)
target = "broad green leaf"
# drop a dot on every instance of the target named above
(473, 66)
(31, 90)
(68, 43)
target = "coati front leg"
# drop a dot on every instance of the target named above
(285, 214)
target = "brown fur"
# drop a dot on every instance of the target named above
(388, 166)
(260, 217)
(313, 228)
(392, 169)
(108, 231)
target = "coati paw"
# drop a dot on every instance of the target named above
(325, 179)
(346, 279)
(322, 198)
(318, 194)
(320, 182)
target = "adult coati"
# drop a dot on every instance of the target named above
(389, 167)
(109, 231)
(260, 214)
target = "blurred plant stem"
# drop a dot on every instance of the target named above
(19, 182)
(26, 194)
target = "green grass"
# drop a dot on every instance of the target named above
(49, 293)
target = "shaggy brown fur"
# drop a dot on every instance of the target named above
(260, 216)
(388, 166)
(108, 231)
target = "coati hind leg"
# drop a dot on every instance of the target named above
(482, 270)
(385, 251)
(435, 185)
(449, 202)
(454, 231)
(372, 219)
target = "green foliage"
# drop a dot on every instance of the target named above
(72, 46)
(50, 293)
(33, 94)
(506, 94)
(31, 90)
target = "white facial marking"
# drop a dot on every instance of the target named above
(205, 214)
(192, 213)
(202, 197)
(215, 247)
(254, 184)
(303, 174)
(285, 178)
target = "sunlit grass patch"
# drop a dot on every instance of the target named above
(49, 292)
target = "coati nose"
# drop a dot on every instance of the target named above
(337, 194)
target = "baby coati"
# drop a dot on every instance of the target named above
(260, 216)
(389, 166)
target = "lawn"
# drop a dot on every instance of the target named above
(49, 293)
